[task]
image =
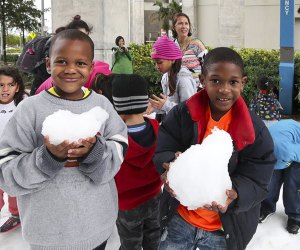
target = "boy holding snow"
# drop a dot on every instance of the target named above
(138, 182)
(64, 206)
(217, 226)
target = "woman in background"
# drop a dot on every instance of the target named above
(122, 61)
(192, 49)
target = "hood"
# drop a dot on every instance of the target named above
(241, 128)
(137, 155)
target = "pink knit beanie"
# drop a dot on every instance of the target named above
(165, 48)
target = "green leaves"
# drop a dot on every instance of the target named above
(144, 66)
(165, 13)
(20, 14)
(257, 62)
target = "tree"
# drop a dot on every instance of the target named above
(26, 17)
(12, 40)
(20, 14)
(165, 13)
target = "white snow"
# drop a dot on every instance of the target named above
(65, 125)
(200, 175)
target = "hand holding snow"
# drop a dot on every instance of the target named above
(65, 125)
(200, 176)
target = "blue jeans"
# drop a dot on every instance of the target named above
(290, 179)
(181, 235)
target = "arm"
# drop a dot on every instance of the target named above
(296, 153)
(25, 167)
(201, 50)
(185, 89)
(127, 53)
(253, 172)
(175, 134)
(105, 158)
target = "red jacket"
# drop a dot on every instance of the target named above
(138, 180)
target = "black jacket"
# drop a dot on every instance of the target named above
(250, 167)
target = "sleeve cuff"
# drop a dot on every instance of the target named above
(47, 163)
(95, 154)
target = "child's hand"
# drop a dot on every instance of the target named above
(149, 109)
(163, 177)
(60, 151)
(84, 148)
(158, 102)
(231, 195)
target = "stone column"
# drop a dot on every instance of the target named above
(231, 23)
(136, 28)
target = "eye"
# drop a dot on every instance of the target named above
(215, 81)
(81, 63)
(234, 82)
(60, 62)
(11, 85)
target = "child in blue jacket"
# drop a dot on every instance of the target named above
(286, 137)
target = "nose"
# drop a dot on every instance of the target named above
(5, 88)
(70, 69)
(225, 88)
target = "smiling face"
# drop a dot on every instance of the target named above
(162, 65)
(224, 83)
(121, 43)
(70, 64)
(8, 89)
(182, 27)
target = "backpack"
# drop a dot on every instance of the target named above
(33, 54)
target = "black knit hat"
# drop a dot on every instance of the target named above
(130, 93)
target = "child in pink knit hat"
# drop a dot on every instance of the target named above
(177, 82)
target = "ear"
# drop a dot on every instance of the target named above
(244, 81)
(202, 80)
(18, 87)
(48, 68)
(92, 67)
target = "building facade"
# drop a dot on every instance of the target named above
(238, 23)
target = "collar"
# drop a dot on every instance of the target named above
(85, 91)
(241, 128)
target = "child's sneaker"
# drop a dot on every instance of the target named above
(293, 226)
(264, 215)
(12, 223)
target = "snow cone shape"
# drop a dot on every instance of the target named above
(200, 176)
(65, 125)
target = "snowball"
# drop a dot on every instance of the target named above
(200, 175)
(65, 125)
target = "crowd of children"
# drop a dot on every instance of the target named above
(71, 195)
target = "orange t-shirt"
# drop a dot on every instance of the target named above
(203, 218)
